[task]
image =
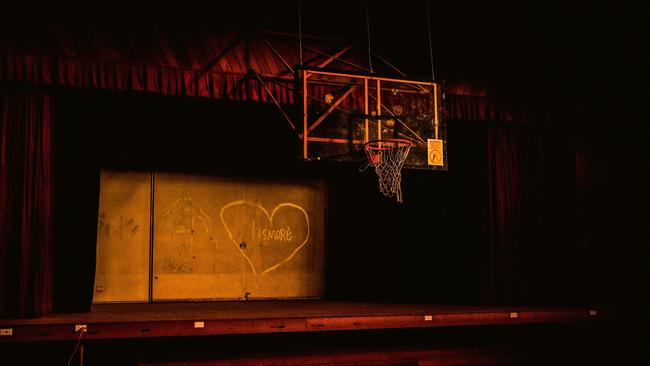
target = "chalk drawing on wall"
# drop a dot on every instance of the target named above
(226, 238)
(184, 220)
(123, 237)
(116, 228)
(265, 231)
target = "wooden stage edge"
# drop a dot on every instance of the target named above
(119, 321)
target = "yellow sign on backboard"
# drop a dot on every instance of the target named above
(435, 152)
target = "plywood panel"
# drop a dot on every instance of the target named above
(123, 231)
(218, 238)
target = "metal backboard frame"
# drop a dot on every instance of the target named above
(341, 111)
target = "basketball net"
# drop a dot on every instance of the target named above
(388, 157)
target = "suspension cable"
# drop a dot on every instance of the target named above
(300, 30)
(433, 75)
(368, 32)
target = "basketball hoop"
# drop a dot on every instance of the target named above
(388, 157)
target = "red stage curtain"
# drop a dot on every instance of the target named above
(529, 222)
(479, 108)
(165, 80)
(503, 223)
(119, 76)
(526, 169)
(25, 204)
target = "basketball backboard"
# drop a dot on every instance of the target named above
(342, 111)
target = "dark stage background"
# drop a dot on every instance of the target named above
(549, 207)
(548, 212)
(502, 226)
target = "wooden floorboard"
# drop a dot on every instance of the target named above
(112, 321)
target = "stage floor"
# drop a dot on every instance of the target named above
(113, 321)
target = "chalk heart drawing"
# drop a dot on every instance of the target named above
(282, 207)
